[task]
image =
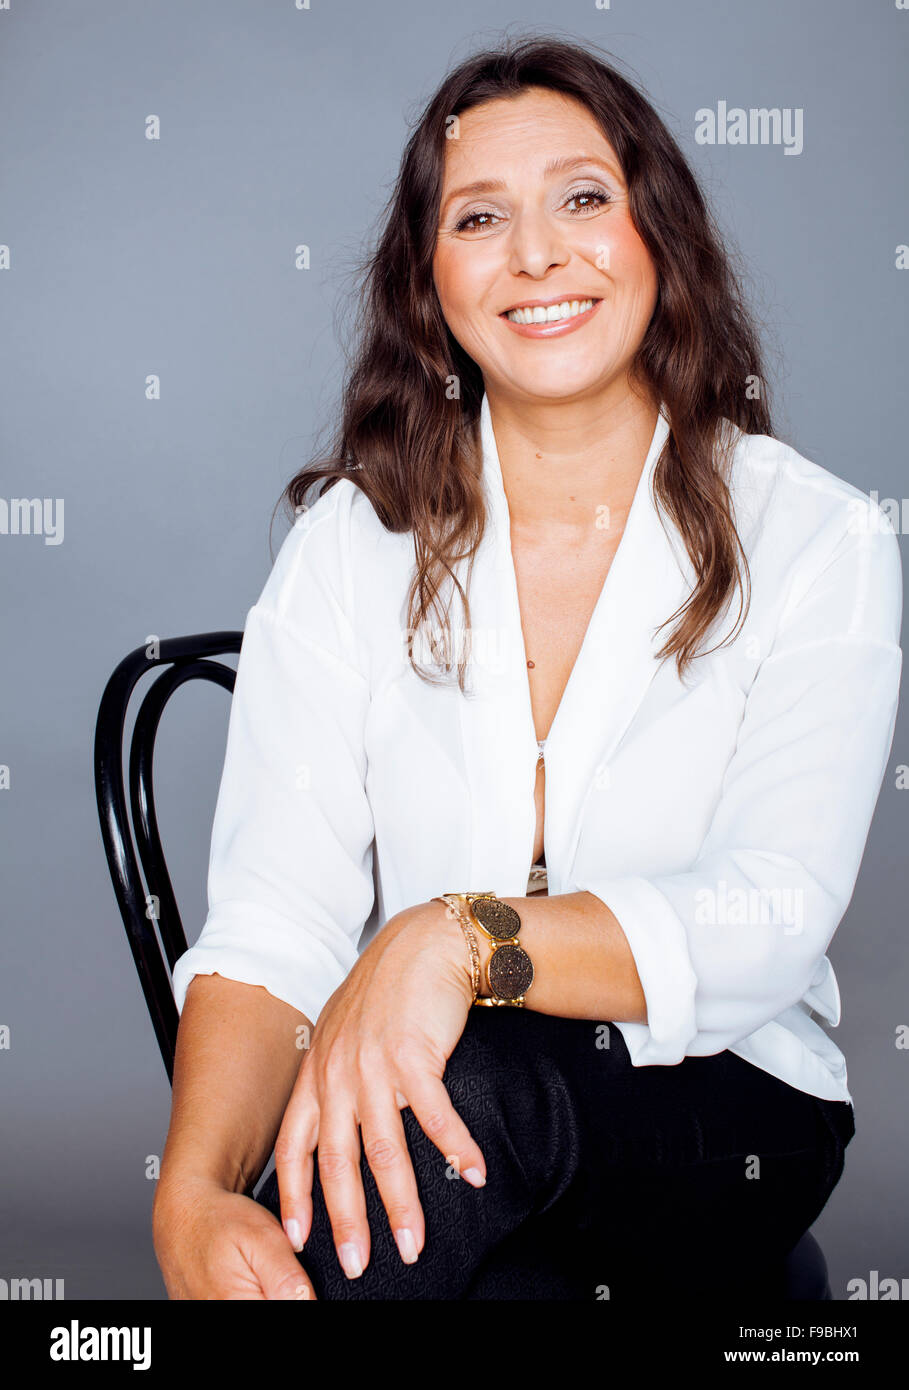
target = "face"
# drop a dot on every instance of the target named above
(549, 227)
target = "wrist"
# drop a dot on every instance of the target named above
(177, 1198)
(452, 941)
(485, 947)
(186, 1167)
(464, 941)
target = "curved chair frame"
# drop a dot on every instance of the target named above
(143, 904)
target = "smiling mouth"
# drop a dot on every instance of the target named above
(549, 313)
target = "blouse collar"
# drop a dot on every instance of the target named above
(649, 578)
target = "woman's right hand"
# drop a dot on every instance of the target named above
(212, 1243)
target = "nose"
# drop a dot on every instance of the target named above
(536, 243)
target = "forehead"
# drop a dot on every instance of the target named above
(531, 129)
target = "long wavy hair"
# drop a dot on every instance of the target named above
(412, 444)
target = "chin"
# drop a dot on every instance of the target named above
(554, 386)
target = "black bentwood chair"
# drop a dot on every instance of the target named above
(128, 821)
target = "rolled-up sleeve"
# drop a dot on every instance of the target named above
(290, 881)
(727, 946)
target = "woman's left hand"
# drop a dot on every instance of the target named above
(381, 1042)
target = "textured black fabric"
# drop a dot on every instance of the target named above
(604, 1180)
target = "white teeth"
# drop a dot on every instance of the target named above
(568, 309)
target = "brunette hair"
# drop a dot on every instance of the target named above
(415, 451)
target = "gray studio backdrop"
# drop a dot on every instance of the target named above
(132, 258)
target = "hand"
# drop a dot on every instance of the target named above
(381, 1043)
(212, 1243)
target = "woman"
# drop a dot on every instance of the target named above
(558, 412)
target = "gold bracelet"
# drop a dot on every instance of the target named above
(509, 970)
(455, 911)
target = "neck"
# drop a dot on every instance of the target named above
(562, 462)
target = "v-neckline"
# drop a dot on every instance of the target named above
(492, 470)
(647, 581)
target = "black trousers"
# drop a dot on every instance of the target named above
(604, 1180)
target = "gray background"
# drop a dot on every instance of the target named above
(129, 257)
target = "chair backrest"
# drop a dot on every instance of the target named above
(130, 824)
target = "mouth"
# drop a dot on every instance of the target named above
(548, 310)
(549, 318)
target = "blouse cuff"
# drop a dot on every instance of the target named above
(257, 946)
(660, 948)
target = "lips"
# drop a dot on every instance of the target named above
(547, 303)
(555, 312)
(552, 319)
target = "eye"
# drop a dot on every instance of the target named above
(593, 198)
(465, 221)
(601, 199)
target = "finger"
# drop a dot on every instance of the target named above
(440, 1122)
(294, 1168)
(385, 1150)
(342, 1185)
(277, 1268)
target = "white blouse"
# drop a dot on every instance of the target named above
(722, 819)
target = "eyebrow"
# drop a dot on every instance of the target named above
(560, 165)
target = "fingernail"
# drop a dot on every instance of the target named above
(474, 1177)
(407, 1245)
(349, 1255)
(301, 1291)
(294, 1233)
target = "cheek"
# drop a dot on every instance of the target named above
(456, 281)
(621, 253)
